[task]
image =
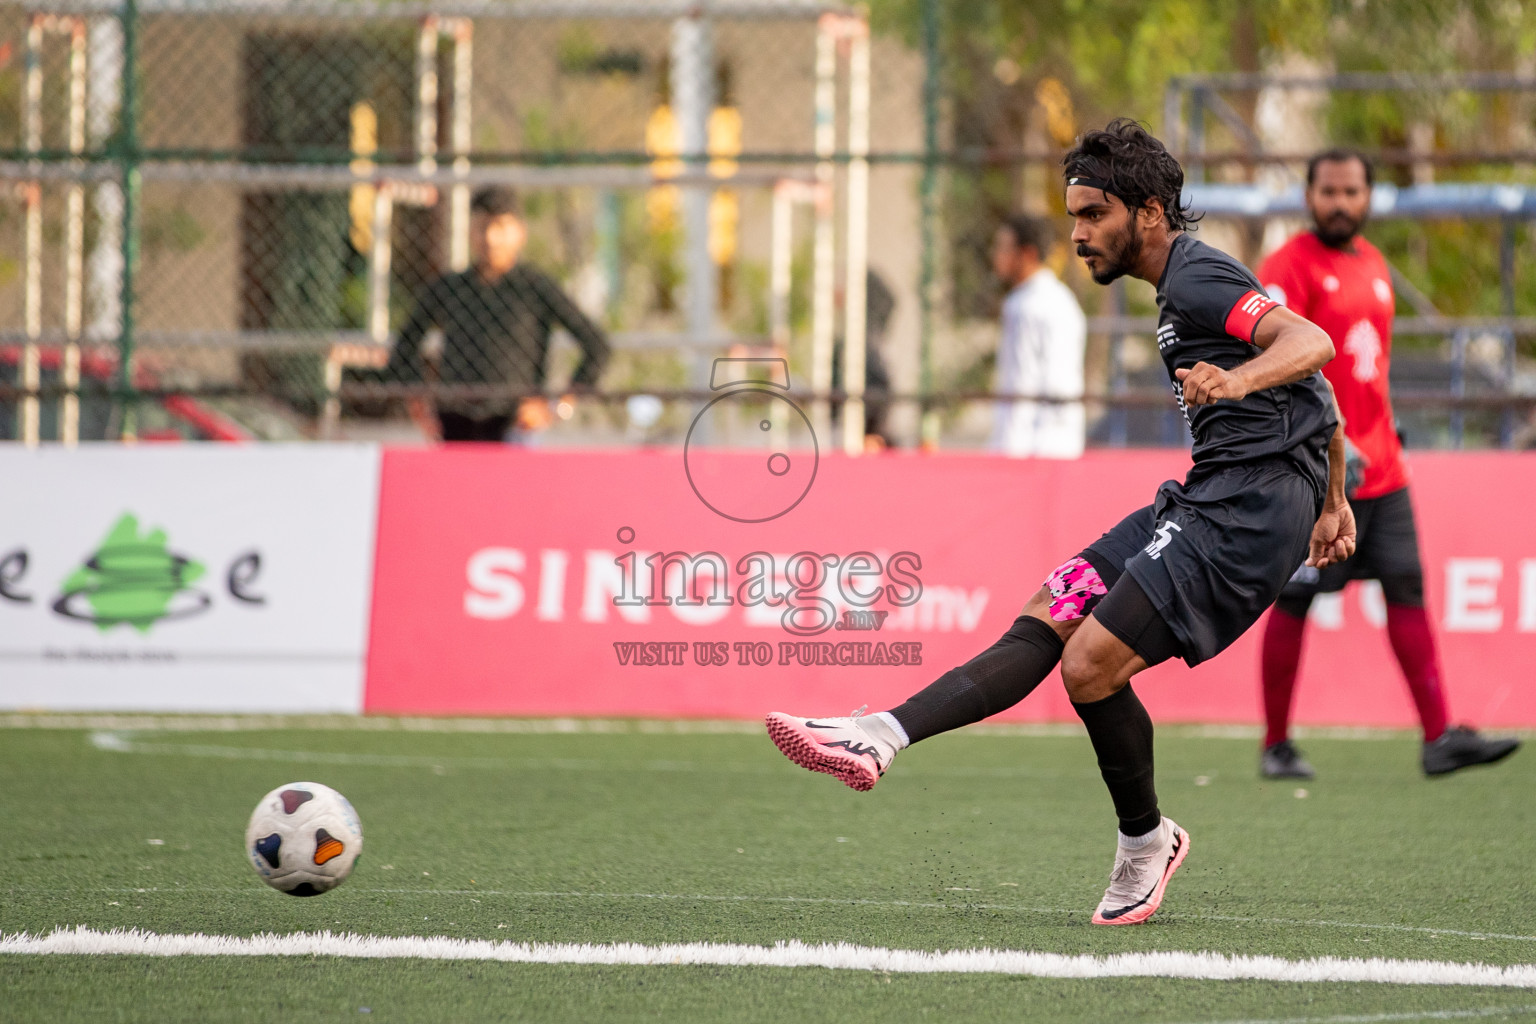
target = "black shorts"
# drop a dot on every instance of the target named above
(1128, 613)
(1210, 555)
(1386, 547)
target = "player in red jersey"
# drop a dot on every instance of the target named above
(1339, 281)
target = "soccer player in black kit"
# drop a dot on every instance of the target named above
(1184, 576)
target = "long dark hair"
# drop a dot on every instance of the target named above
(1137, 166)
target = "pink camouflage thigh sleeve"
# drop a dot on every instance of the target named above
(1075, 588)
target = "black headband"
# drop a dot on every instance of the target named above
(1106, 187)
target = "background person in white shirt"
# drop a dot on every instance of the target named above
(1041, 348)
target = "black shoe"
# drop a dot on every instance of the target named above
(1283, 761)
(1460, 747)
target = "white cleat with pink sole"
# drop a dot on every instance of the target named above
(1140, 876)
(841, 747)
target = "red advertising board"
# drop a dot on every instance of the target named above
(521, 582)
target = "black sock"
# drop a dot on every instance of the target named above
(993, 681)
(1121, 732)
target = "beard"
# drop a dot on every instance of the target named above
(1117, 261)
(1338, 229)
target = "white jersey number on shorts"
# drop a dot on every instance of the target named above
(1165, 532)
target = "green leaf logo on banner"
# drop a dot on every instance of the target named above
(132, 578)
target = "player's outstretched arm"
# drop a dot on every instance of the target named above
(1293, 349)
(1333, 537)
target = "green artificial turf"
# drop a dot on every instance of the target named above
(973, 840)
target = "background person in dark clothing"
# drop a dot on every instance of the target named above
(496, 319)
(879, 308)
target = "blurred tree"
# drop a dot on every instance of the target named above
(1011, 67)
(1116, 56)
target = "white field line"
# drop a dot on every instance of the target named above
(840, 901)
(966, 906)
(126, 742)
(361, 723)
(589, 726)
(129, 742)
(1376, 1018)
(836, 956)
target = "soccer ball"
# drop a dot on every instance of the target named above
(303, 838)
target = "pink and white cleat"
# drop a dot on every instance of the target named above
(842, 747)
(1137, 882)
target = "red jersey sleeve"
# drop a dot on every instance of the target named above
(1282, 276)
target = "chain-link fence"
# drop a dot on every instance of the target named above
(345, 218)
(1453, 154)
(318, 218)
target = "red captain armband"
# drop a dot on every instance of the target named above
(1246, 313)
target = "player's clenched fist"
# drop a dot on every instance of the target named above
(1205, 384)
(1333, 537)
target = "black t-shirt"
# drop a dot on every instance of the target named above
(1209, 305)
(494, 332)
